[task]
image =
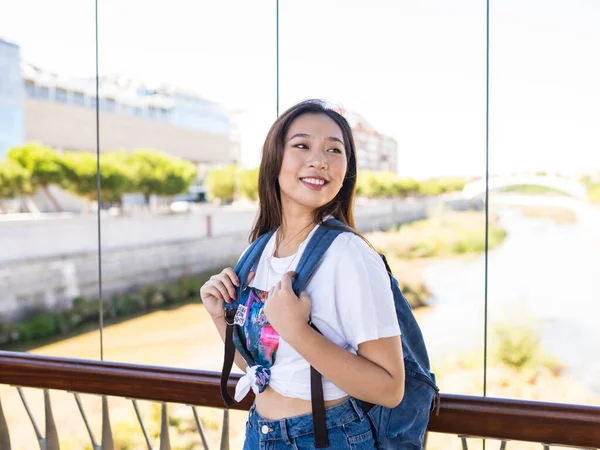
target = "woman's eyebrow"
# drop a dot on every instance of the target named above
(308, 136)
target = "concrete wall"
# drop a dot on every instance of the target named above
(74, 128)
(46, 263)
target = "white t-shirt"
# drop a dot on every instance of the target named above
(352, 303)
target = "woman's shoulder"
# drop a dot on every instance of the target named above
(349, 248)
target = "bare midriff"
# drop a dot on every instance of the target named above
(274, 406)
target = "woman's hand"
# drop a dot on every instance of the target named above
(218, 289)
(287, 313)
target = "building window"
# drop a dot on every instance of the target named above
(152, 111)
(93, 102)
(111, 105)
(78, 99)
(42, 92)
(61, 95)
(138, 112)
(30, 88)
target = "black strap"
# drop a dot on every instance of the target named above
(318, 409)
(387, 266)
(318, 405)
(228, 357)
(367, 406)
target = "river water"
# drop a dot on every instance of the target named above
(545, 273)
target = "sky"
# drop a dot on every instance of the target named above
(415, 70)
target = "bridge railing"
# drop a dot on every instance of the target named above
(464, 416)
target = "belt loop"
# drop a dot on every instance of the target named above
(251, 415)
(357, 409)
(284, 432)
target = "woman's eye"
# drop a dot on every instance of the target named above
(302, 146)
(335, 150)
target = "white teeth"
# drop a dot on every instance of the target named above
(314, 181)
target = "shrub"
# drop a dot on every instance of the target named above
(386, 184)
(249, 184)
(220, 183)
(518, 346)
(44, 324)
(38, 325)
(594, 193)
(443, 234)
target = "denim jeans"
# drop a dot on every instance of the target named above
(348, 427)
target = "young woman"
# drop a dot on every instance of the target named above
(308, 174)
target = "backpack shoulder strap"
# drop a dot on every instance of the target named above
(315, 251)
(242, 268)
(307, 266)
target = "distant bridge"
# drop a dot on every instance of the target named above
(568, 186)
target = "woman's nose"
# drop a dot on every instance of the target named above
(318, 159)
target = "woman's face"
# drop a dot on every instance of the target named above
(314, 163)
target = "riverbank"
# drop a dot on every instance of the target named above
(445, 236)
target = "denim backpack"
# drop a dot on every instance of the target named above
(399, 428)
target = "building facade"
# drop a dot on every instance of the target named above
(12, 124)
(374, 150)
(61, 112)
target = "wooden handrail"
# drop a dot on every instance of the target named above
(161, 384)
(549, 423)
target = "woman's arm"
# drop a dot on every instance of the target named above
(218, 289)
(375, 375)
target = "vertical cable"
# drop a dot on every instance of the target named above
(487, 195)
(277, 55)
(101, 305)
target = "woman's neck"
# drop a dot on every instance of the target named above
(293, 231)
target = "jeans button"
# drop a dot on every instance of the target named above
(264, 429)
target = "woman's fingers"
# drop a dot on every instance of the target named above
(213, 291)
(228, 284)
(232, 276)
(286, 280)
(219, 286)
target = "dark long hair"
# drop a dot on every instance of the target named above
(269, 193)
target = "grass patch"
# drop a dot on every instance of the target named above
(561, 216)
(444, 234)
(529, 189)
(594, 193)
(44, 326)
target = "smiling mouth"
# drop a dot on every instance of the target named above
(316, 182)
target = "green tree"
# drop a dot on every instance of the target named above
(220, 183)
(44, 166)
(115, 177)
(249, 184)
(14, 181)
(406, 186)
(452, 184)
(367, 184)
(80, 172)
(387, 184)
(430, 187)
(155, 172)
